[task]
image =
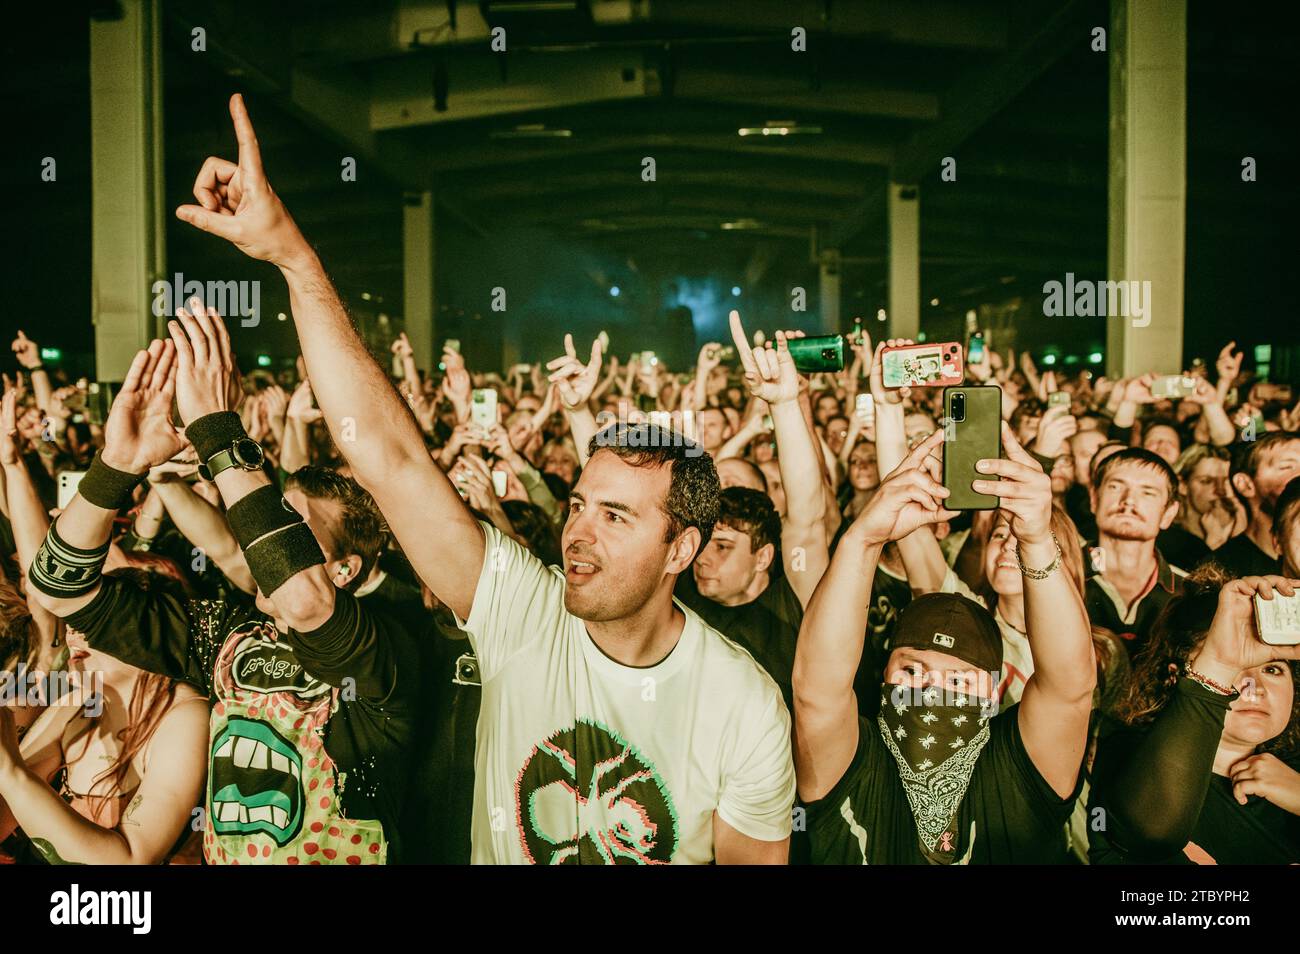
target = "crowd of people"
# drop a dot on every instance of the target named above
(633, 614)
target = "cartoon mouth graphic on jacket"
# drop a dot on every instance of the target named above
(256, 782)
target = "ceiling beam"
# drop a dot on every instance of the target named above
(975, 99)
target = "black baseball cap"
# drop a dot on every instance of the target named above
(951, 623)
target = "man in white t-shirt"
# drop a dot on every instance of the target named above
(615, 727)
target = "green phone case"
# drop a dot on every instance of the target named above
(978, 436)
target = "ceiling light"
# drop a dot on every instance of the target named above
(780, 127)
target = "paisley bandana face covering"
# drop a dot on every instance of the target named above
(936, 738)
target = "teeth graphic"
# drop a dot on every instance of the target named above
(244, 752)
(226, 748)
(260, 814)
(259, 756)
(293, 767)
(243, 813)
(280, 818)
(229, 811)
(279, 762)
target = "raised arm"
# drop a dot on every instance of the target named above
(368, 419)
(573, 383)
(771, 376)
(159, 812)
(922, 559)
(1155, 795)
(1057, 700)
(202, 524)
(29, 356)
(65, 571)
(830, 642)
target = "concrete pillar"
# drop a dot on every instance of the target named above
(128, 240)
(418, 299)
(1148, 182)
(904, 261)
(828, 297)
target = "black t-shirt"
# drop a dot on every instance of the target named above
(440, 811)
(889, 597)
(1009, 815)
(1078, 504)
(766, 627)
(1161, 803)
(308, 747)
(1181, 547)
(1241, 557)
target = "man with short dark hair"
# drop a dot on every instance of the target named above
(736, 584)
(616, 728)
(1260, 469)
(1134, 497)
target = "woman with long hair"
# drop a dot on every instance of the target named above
(1201, 767)
(110, 771)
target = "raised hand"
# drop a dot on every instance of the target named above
(9, 427)
(301, 404)
(1138, 390)
(1228, 365)
(204, 362)
(911, 496)
(456, 384)
(574, 380)
(237, 203)
(1025, 490)
(26, 351)
(1057, 427)
(1232, 644)
(402, 347)
(139, 432)
(879, 393)
(710, 357)
(276, 404)
(770, 373)
(1204, 393)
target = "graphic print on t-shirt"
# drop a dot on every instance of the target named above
(585, 795)
(272, 788)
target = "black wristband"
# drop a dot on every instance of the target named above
(263, 511)
(64, 571)
(275, 558)
(214, 432)
(107, 488)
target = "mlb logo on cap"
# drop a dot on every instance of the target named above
(944, 640)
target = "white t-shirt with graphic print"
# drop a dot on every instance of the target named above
(582, 759)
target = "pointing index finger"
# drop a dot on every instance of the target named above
(250, 155)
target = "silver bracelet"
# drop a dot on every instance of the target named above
(1048, 570)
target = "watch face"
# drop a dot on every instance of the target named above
(249, 453)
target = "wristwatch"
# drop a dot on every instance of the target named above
(245, 453)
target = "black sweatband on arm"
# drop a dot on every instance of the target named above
(263, 511)
(214, 432)
(106, 487)
(275, 558)
(64, 571)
